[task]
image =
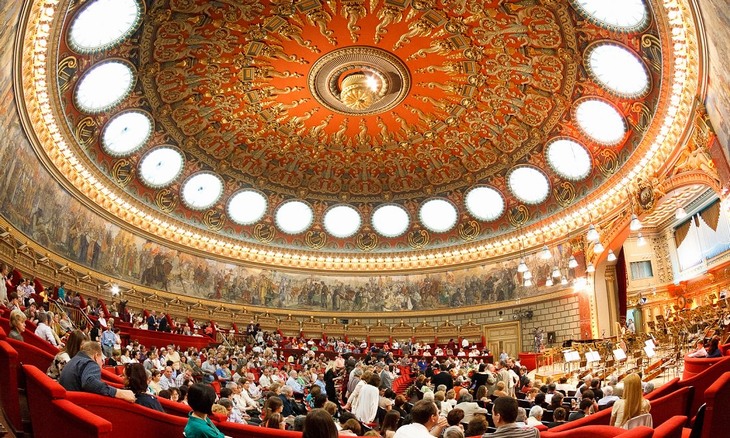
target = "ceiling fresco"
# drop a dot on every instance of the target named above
(359, 126)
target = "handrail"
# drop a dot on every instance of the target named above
(78, 317)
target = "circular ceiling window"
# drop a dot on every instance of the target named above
(618, 70)
(102, 24)
(438, 215)
(247, 207)
(528, 184)
(569, 159)
(293, 217)
(620, 15)
(202, 190)
(390, 220)
(600, 121)
(104, 86)
(160, 166)
(485, 203)
(126, 133)
(342, 221)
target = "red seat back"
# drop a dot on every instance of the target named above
(676, 403)
(9, 397)
(31, 355)
(601, 418)
(717, 398)
(51, 415)
(671, 428)
(598, 432)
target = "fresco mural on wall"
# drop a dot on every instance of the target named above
(36, 204)
(716, 16)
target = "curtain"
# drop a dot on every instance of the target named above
(689, 251)
(711, 215)
(681, 232)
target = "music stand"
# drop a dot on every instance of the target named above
(571, 356)
(650, 344)
(649, 352)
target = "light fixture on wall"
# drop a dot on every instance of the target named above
(611, 256)
(563, 280)
(556, 272)
(500, 315)
(635, 223)
(640, 241)
(590, 268)
(572, 262)
(592, 234)
(522, 267)
(598, 248)
(680, 213)
(545, 253)
(549, 281)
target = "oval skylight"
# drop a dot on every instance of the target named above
(438, 215)
(126, 132)
(247, 207)
(618, 70)
(102, 24)
(621, 15)
(484, 203)
(342, 221)
(569, 159)
(529, 185)
(293, 217)
(104, 86)
(160, 166)
(600, 121)
(390, 220)
(202, 190)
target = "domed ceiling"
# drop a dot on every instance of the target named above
(357, 127)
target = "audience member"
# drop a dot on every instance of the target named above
(632, 404)
(201, 398)
(73, 345)
(504, 414)
(136, 381)
(426, 420)
(83, 373)
(17, 324)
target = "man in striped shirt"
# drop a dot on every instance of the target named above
(504, 415)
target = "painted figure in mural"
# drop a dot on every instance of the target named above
(158, 273)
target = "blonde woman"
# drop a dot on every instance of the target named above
(632, 404)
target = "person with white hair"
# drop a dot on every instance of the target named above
(608, 398)
(535, 417)
(453, 432)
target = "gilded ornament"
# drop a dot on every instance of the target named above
(66, 71)
(418, 238)
(607, 161)
(518, 216)
(645, 194)
(265, 233)
(123, 171)
(214, 219)
(166, 200)
(469, 230)
(366, 241)
(315, 239)
(86, 131)
(564, 193)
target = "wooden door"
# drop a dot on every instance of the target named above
(505, 336)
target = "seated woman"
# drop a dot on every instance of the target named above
(17, 325)
(631, 404)
(73, 345)
(201, 398)
(136, 381)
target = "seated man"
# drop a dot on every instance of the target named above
(83, 373)
(426, 422)
(700, 351)
(504, 415)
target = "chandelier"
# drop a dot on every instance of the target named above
(360, 91)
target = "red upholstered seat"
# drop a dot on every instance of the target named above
(9, 397)
(602, 418)
(672, 428)
(717, 399)
(696, 365)
(52, 416)
(235, 430)
(31, 338)
(703, 381)
(599, 432)
(671, 405)
(129, 418)
(31, 355)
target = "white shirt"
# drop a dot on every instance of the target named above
(265, 381)
(413, 430)
(367, 406)
(45, 333)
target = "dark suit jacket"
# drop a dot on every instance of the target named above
(443, 378)
(151, 323)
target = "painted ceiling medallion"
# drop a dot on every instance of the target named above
(359, 80)
(369, 104)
